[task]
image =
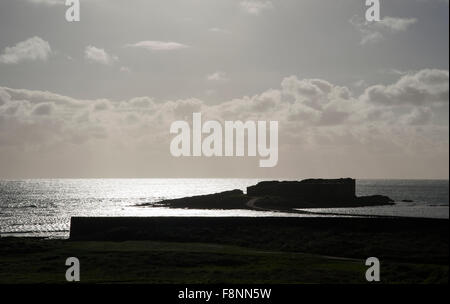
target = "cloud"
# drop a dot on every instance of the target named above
(99, 55)
(32, 49)
(395, 24)
(359, 83)
(255, 7)
(402, 124)
(426, 87)
(158, 45)
(217, 76)
(419, 116)
(219, 30)
(303, 102)
(372, 32)
(125, 69)
(43, 109)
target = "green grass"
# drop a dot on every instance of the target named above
(43, 261)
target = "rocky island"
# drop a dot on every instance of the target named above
(286, 196)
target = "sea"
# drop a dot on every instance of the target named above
(43, 207)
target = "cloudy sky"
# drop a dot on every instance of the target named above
(96, 98)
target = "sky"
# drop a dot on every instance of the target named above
(96, 98)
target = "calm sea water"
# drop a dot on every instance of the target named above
(44, 207)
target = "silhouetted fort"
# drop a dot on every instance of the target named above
(311, 190)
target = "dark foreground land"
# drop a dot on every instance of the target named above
(234, 250)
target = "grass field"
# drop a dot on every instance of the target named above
(43, 261)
